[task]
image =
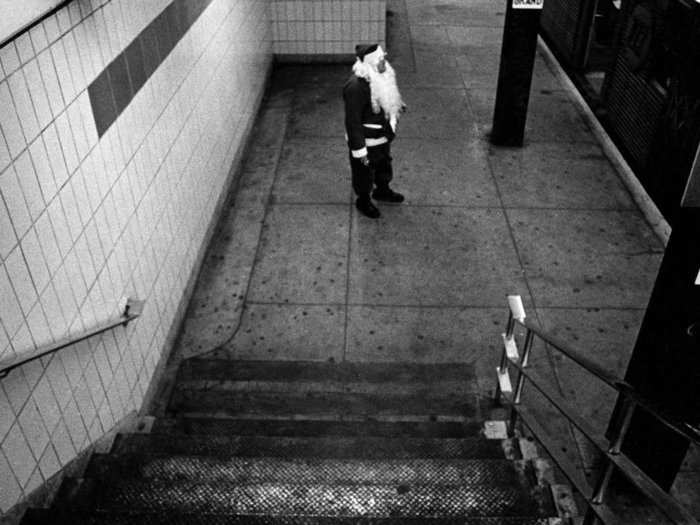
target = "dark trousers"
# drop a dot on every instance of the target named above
(378, 173)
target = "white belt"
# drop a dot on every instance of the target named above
(376, 142)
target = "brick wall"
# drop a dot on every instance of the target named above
(119, 123)
(325, 29)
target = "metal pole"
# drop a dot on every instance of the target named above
(523, 363)
(510, 325)
(529, 338)
(590, 518)
(515, 72)
(628, 407)
(601, 487)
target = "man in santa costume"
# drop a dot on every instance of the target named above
(372, 108)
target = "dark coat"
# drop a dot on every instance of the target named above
(358, 111)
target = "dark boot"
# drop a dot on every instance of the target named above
(386, 194)
(366, 207)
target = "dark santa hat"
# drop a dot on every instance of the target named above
(365, 49)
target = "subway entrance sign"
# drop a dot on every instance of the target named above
(528, 4)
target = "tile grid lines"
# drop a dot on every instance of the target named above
(86, 298)
(165, 106)
(51, 431)
(128, 400)
(12, 473)
(66, 103)
(83, 16)
(104, 120)
(194, 149)
(47, 202)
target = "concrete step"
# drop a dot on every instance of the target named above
(324, 405)
(311, 428)
(309, 499)
(315, 447)
(465, 472)
(54, 517)
(290, 372)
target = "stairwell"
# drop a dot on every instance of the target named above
(283, 442)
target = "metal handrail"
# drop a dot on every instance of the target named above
(132, 310)
(623, 387)
(34, 22)
(630, 400)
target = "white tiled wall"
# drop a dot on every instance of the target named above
(85, 222)
(326, 27)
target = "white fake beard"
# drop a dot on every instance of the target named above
(384, 90)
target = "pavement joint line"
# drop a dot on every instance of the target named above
(536, 316)
(561, 208)
(572, 142)
(406, 18)
(232, 336)
(408, 204)
(329, 204)
(347, 281)
(445, 306)
(381, 305)
(381, 418)
(402, 205)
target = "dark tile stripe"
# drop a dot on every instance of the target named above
(121, 85)
(114, 88)
(135, 63)
(102, 102)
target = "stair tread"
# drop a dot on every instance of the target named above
(313, 499)
(309, 470)
(316, 371)
(445, 387)
(319, 447)
(54, 517)
(311, 428)
(321, 404)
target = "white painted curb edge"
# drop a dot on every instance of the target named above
(639, 194)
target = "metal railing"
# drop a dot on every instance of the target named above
(38, 19)
(132, 310)
(610, 449)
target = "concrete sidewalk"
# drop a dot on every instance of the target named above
(295, 273)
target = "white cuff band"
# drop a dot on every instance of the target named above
(359, 153)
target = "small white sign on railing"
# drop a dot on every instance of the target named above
(528, 4)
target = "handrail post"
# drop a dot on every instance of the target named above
(515, 312)
(628, 406)
(510, 325)
(523, 362)
(524, 358)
